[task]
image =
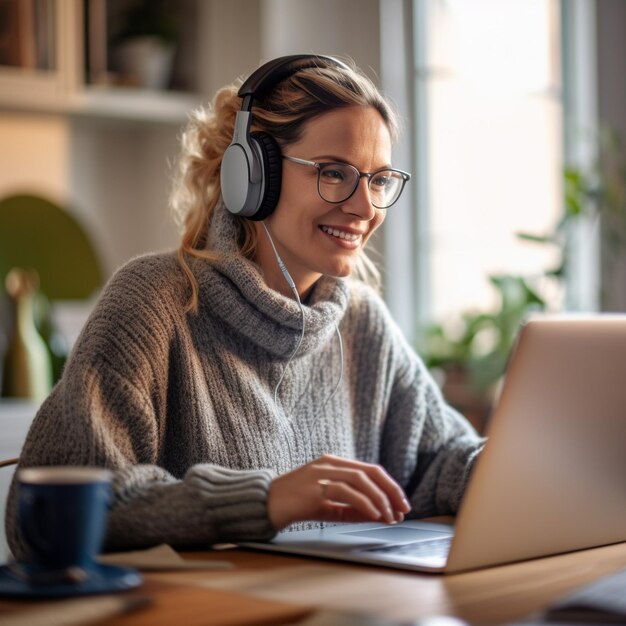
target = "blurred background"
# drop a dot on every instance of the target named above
(514, 113)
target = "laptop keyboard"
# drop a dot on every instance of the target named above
(429, 548)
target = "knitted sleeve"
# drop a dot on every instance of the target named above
(436, 446)
(109, 411)
(424, 443)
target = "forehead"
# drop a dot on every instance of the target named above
(350, 133)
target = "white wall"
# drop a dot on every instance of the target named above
(335, 27)
(232, 44)
(119, 182)
(34, 155)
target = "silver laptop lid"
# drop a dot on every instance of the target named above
(552, 477)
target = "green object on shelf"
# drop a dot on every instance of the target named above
(36, 233)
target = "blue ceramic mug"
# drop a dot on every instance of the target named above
(62, 514)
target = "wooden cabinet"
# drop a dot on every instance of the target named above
(33, 61)
(59, 57)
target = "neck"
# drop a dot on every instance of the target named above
(276, 274)
(275, 279)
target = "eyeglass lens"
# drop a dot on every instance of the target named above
(337, 182)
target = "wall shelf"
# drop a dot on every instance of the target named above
(133, 104)
(67, 85)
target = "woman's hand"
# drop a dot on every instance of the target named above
(335, 489)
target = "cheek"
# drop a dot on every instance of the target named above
(298, 201)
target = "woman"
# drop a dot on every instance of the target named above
(254, 379)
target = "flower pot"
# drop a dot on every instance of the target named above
(145, 62)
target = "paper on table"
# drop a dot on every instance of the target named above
(603, 601)
(160, 558)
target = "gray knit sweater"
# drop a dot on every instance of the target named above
(181, 406)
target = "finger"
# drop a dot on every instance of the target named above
(359, 482)
(341, 493)
(385, 482)
(335, 512)
(378, 474)
(392, 505)
(323, 483)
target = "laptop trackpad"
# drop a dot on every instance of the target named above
(398, 534)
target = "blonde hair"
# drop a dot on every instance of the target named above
(283, 113)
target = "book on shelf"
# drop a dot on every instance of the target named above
(97, 71)
(27, 38)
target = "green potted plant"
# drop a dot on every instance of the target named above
(469, 360)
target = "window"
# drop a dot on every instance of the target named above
(488, 143)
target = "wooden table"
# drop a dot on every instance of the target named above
(275, 589)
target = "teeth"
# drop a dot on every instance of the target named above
(340, 233)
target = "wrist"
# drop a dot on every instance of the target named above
(276, 513)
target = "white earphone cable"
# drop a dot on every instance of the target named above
(332, 395)
(292, 286)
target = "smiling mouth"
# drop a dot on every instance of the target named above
(340, 234)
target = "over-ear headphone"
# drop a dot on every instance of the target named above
(251, 170)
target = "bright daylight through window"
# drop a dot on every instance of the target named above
(489, 142)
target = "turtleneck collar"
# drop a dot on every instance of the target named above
(233, 289)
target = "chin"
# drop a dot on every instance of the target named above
(340, 271)
(337, 266)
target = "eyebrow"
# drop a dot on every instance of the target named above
(330, 158)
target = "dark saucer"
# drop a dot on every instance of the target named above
(101, 578)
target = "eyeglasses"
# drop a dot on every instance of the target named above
(336, 182)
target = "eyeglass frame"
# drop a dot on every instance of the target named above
(406, 177)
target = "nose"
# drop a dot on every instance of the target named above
(360, 202)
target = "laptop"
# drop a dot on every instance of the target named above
(552, 475)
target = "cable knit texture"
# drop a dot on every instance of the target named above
(181, 406)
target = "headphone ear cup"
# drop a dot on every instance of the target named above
(272, 160)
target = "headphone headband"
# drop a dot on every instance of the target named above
(272, 72)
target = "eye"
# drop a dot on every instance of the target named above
(333, 174)
(381, 181)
